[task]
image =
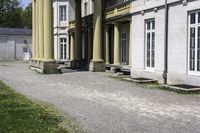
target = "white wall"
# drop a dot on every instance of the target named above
(139, 45)
(178, 43)
(60, 28)
(89, 9)
(177, 40)
(11, 46)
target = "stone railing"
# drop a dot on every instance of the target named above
(71, 25)
(118, 10)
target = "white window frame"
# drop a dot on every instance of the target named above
(196, 25)
(151, 30)
(26, 49)
(124, 40)
(63, 49)
(62, 13)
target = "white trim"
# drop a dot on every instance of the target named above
(126, 48)
(196, 26)
(65, 49)
(151, 30)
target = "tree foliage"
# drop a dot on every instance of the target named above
(14, 16)
(27, 17)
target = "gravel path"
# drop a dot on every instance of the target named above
(105, 105)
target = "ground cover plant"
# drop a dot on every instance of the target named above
(19, 114)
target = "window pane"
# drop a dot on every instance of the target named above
(153, 50)
(25, 50)
(65, 51)
(198, 51)
(148, 50)
(153, 25)
(63, 13)
(61, 51)
(199, 17)
(148, 25)
(192, 49)
(192, 18)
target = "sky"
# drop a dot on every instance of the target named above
(24, 3)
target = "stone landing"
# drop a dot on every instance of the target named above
(97, 66)
(44, 67)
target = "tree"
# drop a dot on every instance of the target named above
(27, 17)
(10, 13)
(13, 16)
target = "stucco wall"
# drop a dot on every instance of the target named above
(139, 45)
(177, 40)
(178, 43)
(71, 10)
(89, 9)
(11, 47)
(60, 28)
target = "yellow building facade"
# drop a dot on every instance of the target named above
(42, 37)
(99, 41)
(103, 37)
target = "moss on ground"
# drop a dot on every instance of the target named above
(19, 114)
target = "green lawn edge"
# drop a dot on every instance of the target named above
(19, 114)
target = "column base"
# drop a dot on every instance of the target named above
(44, 66)
(97, 66)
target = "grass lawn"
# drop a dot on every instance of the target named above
(18, 114)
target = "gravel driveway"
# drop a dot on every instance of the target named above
(105, 105)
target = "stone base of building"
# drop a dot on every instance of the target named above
(97, 66)
(44, 67)
(79, 64)
(69, 64)
(113, 68)
(155, 75)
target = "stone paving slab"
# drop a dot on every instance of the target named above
(105, 105)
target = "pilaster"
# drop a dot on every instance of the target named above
(72, 47)
(106, 45)
(116, 44)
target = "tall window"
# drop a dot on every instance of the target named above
(63, 13)
(63, 48)
(124, 48)
(194, 42)
(150, 43)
